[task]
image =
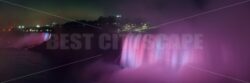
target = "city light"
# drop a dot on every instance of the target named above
(47, 25)
(38, 26)
(9, 29)
(118, 16)
(134, 28)
(54, 23)
(21, 27)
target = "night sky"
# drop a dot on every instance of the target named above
(73, 9)
(156, 11)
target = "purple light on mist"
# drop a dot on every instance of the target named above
(46, 36)
(29, 40)
(141, 50)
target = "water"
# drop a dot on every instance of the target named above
(22, 40)
(142, 50)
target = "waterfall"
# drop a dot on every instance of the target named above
(142, 49)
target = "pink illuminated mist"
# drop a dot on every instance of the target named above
(141, 49)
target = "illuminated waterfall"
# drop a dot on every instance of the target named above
(140, 49)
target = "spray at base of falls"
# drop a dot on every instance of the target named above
(171, 51)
